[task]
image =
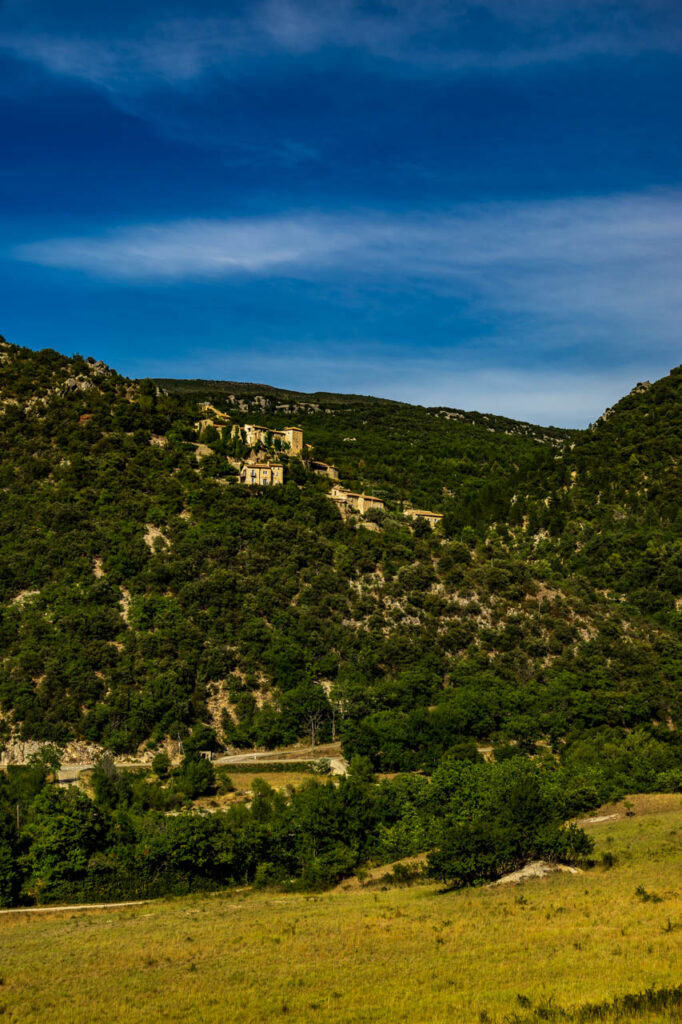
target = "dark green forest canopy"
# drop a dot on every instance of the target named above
(143, 590)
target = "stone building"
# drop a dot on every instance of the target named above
(322, 469)
(351, 500)
(261, 474)
(212, 418)
(432, 518)
(201, 425)
(291, 436)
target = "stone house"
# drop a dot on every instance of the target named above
(432, 518)
(352, 500)
(261, 474)
(201, 425)
(322, 469)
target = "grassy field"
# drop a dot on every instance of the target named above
(243, 786)
(371, 955)
(243, 781)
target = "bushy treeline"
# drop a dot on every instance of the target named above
(138, 836)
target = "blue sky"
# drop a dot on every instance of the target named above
(470, 204)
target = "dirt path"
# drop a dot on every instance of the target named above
(74, 906)
(330, 750)
(635, 805)
(71, 772)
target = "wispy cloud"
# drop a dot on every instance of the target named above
(205, 248)
(431, 34)
(566, 270)
(172, 52)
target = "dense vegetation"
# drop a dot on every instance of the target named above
(143, 591)
(134, 834)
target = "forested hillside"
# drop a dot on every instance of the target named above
(143, 589)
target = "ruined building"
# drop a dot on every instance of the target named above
(290, 436)
(432, 518)
(217, 413)
(212, 418)
(352, 501)
(322, 469)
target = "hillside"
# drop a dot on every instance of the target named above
(423, 456)
(144, 589)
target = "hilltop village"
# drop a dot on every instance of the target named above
(263, 466)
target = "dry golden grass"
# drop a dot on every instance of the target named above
(243, 781)
(408, 955)
(243, 787)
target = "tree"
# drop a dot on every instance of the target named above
(505, 815)
(315, 719)
(196, 777)
(66, 829)
(305, 708)
(161, 765)
(9, 851)
(112, 786)
(47, 761)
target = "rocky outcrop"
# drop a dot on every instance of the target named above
(99, 368)
(639, 389)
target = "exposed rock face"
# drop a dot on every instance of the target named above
(83, 382)
(76, 752)
(536, 869)
(604, 416)
(74, 384)
(98, 367)
(19, 751)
